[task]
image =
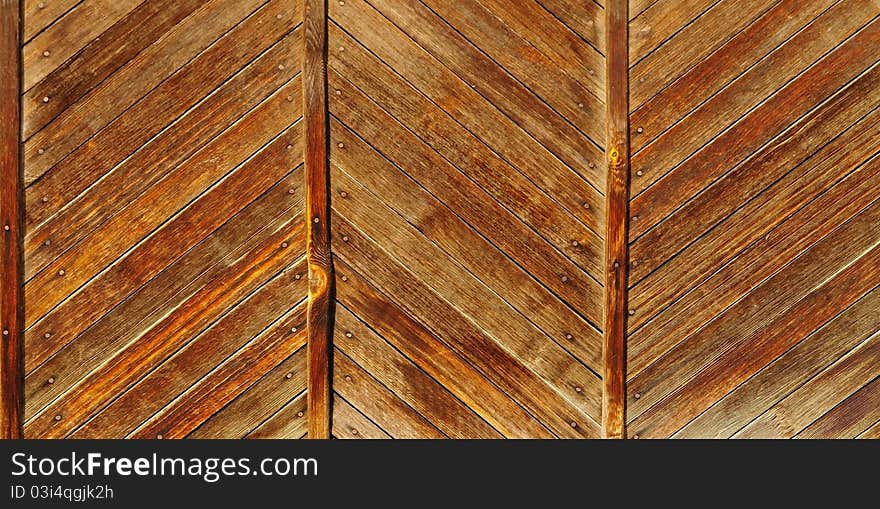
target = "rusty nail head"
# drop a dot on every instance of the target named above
(51, 380)
(61, 272)
(616, 265)
(44, 199)
(278, 16)
(344, 278)
(348, 334)
(635, 218)
(578, 389)
(342, 48)
(289, 99)
(586, 205)
(637, 395)
(340, 145)
(339, 92)
(284, 244)
(290, 191)
(48, 242)
(45, 99)
(347, 378)
(289, 147)
(58, 417)
(640, 130)
(354, 431)
(280, 67)
(299, 414)
(580, 105)
(574, 424)
(632, 312)
(41, 5)
(316, 220)
(41, 151)
(575, 243)
(345, 238)
(159, 436)
(293, 329)
(640, 173)
(46, 53)
(47, 335)
(564, 279)
(636, 436)
(569, 336)
(6, 227)
(343, 194)
(298, 276)
(288, 376)
(5, 332)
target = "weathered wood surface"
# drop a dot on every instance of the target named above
(440, 219)
(467, 180)
(755, 232)
(165, 244)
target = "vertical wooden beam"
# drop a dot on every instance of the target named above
(11, 268)
(317, 167)
(617, 217)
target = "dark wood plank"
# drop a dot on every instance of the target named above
(11, 212)
(100, 58)
(317, 173)
(616, 213)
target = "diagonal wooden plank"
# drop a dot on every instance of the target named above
(224, 384)
(438, 177)
(165, 198)
(138, 304)
(39, 14)
(814, 398)
(475, 253)
(674, 283)
(431, 353)
(119, 185)
(738, 99)
(657, 23)
(99, 59)
(563, 92)
(350, 423)
(769, 302)
(275, 401)
(750, 46)
(560, 403)
(161, 249)
(831, 125)
(397, 372)
(751, 133)
(753, 353)
(850, 417)
(69, 35)
(467, 295)
(584, 18)
(131, 83)
(199, 356)
(789, 371)
(378, 403)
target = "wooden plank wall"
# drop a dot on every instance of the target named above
(755, 219)
(165, 240)
(448, 181)
(467, 203)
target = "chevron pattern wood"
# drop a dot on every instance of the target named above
(467, 198)
(754, 229)
(440, 219)
(164, 246)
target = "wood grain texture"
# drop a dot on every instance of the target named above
(317, 173)
(617, 215)
(11, 218)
